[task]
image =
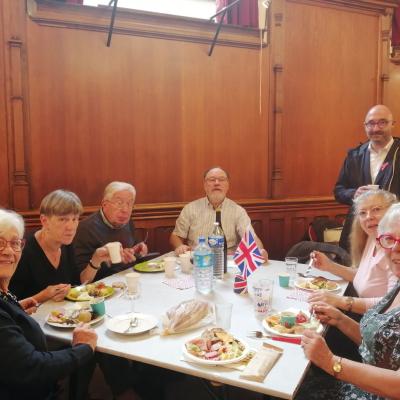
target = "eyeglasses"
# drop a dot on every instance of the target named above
(214, 180)
(382, 123)
(388, 241)
(121, 204)
(16, 244)
(373, 212)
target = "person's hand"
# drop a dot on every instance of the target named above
(327, 314)
(140, 248)
(29, 305)
(264, 255)
(316, 349)
(361, 190)
(56, 292)
(321, 261)
(84, 334)
(128, 255)
(182, 249)
(325, 297)
(101, 255)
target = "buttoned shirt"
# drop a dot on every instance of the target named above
(197, 219)
(376, 158)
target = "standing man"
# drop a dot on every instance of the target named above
(375, 162)
(112, 223)
(198, 217)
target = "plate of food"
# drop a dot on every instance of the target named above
(122, 323)
(215, 347)
(291, 323)
(317, 283)
(89, 291)
(150, 266)
(71, 317)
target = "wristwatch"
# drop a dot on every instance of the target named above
(349, 303)
(337, 366)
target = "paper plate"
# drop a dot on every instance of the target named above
(149, 266)
(59, 325)
(271, 329)
(301, 284)
(192, 357)
(120, 323)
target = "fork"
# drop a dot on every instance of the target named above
(133, 323)
(262, 335)
(136, 246)
(308, 270)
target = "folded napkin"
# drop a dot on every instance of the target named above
(186, 282)
(262, 362)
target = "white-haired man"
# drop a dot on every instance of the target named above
(112, 223)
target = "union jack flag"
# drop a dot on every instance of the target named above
(247, 255)
(240, 285)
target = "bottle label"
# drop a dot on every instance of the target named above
(203, 261)
(216, 241)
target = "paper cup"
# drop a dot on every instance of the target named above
(114, 250)
(186, 265)
(169, 266)
(373, 187)
(98, 306)
(284, 280)
(132, 282)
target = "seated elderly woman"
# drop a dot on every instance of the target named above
(372, 277)
(378, 335)
(47, 267)
(28, 370)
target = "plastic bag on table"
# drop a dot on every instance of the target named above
(187, 315)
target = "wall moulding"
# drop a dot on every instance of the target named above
(375, 6)
(140, 23)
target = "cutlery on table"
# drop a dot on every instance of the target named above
(133, 323)
(262, 335)
(136, 246)
(307, 274)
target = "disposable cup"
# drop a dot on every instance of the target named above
(132, 282)
(291, 269)
(262, 296)
(186, 265)
(223, 315)
(284, 280)
(98, 306)
(169, 267)
(373, 187)
(114, 250)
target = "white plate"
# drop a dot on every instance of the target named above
(120, 323)
(198, 360)
(298, 282)
(292, 335)
(58, 325)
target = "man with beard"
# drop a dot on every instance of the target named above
(197, 218)
(374, 162)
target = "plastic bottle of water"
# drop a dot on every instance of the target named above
(216, 242)
(203, 267)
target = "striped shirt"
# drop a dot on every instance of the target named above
(197, 218)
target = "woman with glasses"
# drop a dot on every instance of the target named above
(371, 276)
(47, 268)
(28, 370)
(377, 334)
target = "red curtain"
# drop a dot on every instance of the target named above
(396, 28)
(245, 13)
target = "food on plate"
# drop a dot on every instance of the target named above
(187, 315)
(71, 316)
(87, 292)
(119, 285)
(215, 345)
(317, 283)
(302, 322)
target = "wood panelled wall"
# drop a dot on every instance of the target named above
(279, 112)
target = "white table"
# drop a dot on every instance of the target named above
(166, 351)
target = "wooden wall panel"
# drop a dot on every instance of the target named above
(153, 112)
(329, 86)
(392, 93)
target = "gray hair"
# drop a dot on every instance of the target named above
(11, 220)
(387, 197)
(391, 217)
(115, 187)
(215, 167)
(61, 202)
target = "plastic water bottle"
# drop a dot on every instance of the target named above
(203, 267)
(216, 242)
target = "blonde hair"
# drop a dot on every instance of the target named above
(61, 202)
(116, 186)
(11, 220)
(358, 238)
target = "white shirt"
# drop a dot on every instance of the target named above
(376, 158)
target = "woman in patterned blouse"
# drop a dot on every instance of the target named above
(378, 337)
